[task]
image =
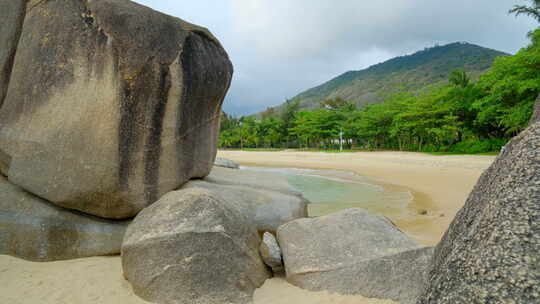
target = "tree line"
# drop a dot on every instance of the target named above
(462, 116)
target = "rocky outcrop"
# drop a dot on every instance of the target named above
(33, 229)
(400, 277)
(191, 247)
(12, 15)
(226, 163)
(491, 252)
(271, 253)
(252, 179)
(266, 209)
(347, 252)
(114, 104)
(536, 111)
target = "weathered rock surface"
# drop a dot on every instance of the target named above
(536, 111)
(266, 209)
(114, 104)
(253, 179)
(226, 163)
(191, 247)
(400, 277)
(333, 252)
(33, 229)
(271, 253)
(491, 252)
(12, 16)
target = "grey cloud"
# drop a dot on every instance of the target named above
(282, 47)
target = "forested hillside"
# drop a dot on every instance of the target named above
(459, 114)
(406, 73)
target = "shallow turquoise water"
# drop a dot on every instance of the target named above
(321, 190)
(331, 191)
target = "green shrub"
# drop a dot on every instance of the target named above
(473, 146)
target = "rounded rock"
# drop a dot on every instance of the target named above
(192, 248)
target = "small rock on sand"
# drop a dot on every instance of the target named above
(271, 253)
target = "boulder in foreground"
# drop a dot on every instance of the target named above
(491, 252)
(338, 252)
(36, 230)
(12, 16)
(121, 103)
(192, 248)
(266, 209)
(400, 277)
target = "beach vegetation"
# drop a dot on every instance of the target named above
(461, 116)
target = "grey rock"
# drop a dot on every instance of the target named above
(191, 247)
(271, 253)
(536, 111)
(400, 277)
(266, 209)
(121, 103)
(491, 251)
(36, 230)
(332, 252)
(226, 163)
(12, 16)
(253, 179)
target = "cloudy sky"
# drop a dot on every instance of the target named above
(280, 48)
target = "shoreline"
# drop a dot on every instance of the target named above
(439, 184)
(418, 201)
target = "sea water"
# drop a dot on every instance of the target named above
(330, 191)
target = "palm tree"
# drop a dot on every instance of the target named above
(532, 11)
(459, 78)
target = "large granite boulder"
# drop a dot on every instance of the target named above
(191, 247)
(266, 209)
(113, 103)
(491, 252)
(400, 277)
(353, 252)
(12, 16)
(36, 230)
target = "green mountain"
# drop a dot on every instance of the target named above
(406, 73)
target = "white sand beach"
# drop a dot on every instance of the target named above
(100, 280)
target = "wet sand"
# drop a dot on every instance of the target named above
(440, 185)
